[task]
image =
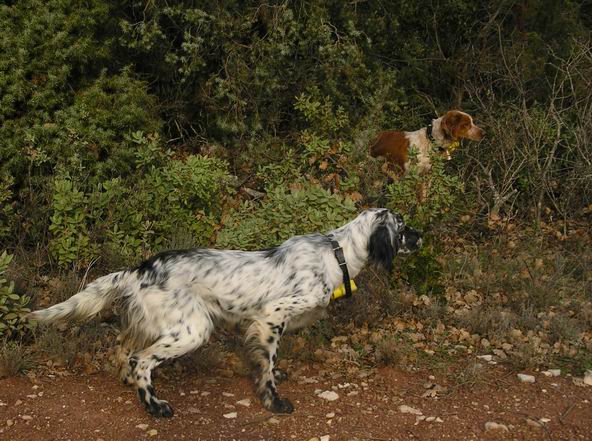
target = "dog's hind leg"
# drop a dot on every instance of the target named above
(186, 335)
(262, 340)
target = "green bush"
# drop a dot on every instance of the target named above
(282, 215)
(13, 306)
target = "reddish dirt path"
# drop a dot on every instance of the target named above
(96, 407)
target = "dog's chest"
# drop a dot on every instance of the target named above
(419, 141)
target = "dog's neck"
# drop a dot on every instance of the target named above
(438, 137)
(353, 238)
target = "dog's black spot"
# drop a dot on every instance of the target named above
(167, 345)
(157, 358)
(142, 394)
(276, 255)
(133, 362)
(188, 330)
(279, 308)
(274, 358)
(270, 339)
(150, 389)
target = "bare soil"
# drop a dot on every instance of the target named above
(94, 407)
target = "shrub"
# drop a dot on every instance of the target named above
(282, 215)
(13, 306)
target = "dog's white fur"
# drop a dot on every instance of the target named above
(171, 302)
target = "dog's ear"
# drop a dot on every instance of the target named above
(380, 247)
(454, 124)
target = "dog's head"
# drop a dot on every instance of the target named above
(389, 237)
(459, 125)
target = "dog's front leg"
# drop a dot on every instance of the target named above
(262, 341)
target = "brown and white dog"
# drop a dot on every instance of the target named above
(442, 134)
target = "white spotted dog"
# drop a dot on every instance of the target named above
(171, 302)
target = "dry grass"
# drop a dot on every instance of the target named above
(14, 359)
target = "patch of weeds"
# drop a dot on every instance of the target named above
(469, 375)
(206, 359)
(563, 328)
(487, 320)
(14, 359)
(56, 346)
(527, 355)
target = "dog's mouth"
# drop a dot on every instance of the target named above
(409, 241)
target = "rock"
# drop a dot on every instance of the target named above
(142, 426)
(273, 420)
(325, 438)
(534, 423)
(204, 393)
(18, 402)
(193, 392)
(491, 425)
(314, 438)
(488, 357)
(408, 409)
(152, 432)
(26, 417)
(9, 423)
(526, 378)
(227, 394)
(246, 402)
(430, 419)
(330, 415)
(230, 415)
(328, 395)
(588, 378)
(553, 372)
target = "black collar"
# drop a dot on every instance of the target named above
(341, 261)
(429, 130)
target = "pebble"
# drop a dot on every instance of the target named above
(194, 392)
(227, 394)
(152, 432)
(328, 395)
(230, 415)
(588, 378)
(491, 425)
(246, 402)
(552, 373)
(526, 378)
(142, 426)
(325, 438)
(27, 417)
(273, 420)
(205, 394)
(488, 357)
(18, 402)
(408, 409)
(9, 423)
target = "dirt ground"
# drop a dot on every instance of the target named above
(95, 407)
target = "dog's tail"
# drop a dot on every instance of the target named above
(97, 296)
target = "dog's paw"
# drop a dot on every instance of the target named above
(279, 375)
(281, 405)
(160, 408)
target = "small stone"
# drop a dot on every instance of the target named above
(439, 420)
(314, 438)
(488, 357)
(205, 393)
(142, 426)
(408, 409)
(9, 422)
(328, 395)
(18, 402)
(273, 420)
(152, 432)
(27, 417)
(491, 425)
(325, 438)
(533, 423)
(430, 419)
(227, 394)
(526, 378)
(330, 415)
(230, 415)
(246, 402)
(552, 373)
(545, 420)
(32, 396)
(588, 377)
(194, 392)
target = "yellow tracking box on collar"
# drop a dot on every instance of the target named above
(340, 291)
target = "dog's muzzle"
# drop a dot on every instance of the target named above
(409, 240)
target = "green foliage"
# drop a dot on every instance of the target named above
(282, 215)
(441, 194)
(6, 206)
(13, 306)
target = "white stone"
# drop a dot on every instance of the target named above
(330, 415)
(491, 425)
(588, 377)
(325, 438)
(230, 415)
(227, 394)
(142, 426)
(246, 402)
(408, 409)
(526, 378)
(488, 357)
(328, 395)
